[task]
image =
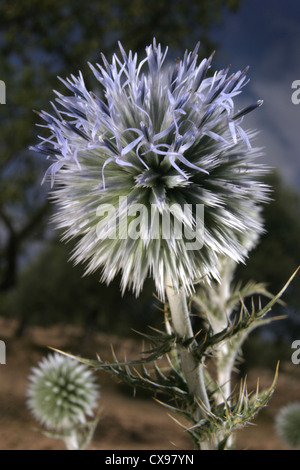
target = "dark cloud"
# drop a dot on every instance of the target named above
(266, 36)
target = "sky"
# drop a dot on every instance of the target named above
(265, 34)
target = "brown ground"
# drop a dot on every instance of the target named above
(127, 423)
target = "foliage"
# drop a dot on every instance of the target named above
(61, 294)
(280, 245)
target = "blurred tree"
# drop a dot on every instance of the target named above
(277, 255)
(51, 290)
(40, 40)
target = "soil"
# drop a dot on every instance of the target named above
(127, 422)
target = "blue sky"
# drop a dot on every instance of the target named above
(265, 34)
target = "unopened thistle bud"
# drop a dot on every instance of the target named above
(288, 424)
(62, 393)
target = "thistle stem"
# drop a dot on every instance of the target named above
(191, 368)
(71, 441)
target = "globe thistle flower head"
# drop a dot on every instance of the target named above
(288, 424)
(164, 142)
(62, 393)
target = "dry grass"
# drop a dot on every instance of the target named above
(127, 423)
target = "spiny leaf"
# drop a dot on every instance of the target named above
(275, 299)
(245, 321)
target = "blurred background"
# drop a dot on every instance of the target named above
(39, 287)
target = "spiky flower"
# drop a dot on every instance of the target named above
(154, 173)
(288, 424)
(62, 393)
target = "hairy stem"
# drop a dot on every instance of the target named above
(192, 369)
(71, 441)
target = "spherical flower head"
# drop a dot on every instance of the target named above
(288, 424)
(62, 393)
(154, 173)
